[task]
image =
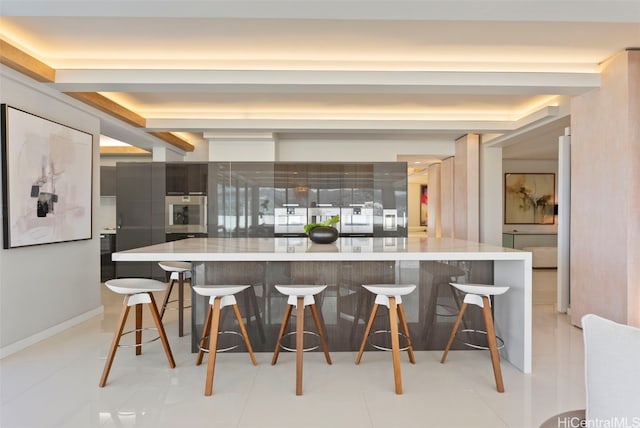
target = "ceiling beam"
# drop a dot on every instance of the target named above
(327, 81)
(174, 140)
(114, 109)
(311, 125)
(26, 64)
(104, 104)
(437, 10)
(122, 150)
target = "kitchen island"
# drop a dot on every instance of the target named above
(430, 263)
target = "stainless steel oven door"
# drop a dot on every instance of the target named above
(356, 221)
(186, 214)
(290, 221)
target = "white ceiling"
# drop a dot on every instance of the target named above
(422, 69)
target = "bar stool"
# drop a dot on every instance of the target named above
(137, 291)
(478, 294)
(220, 296)
(389, 295)
(300, 296)
(180, 271)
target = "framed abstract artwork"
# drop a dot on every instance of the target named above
(529, 198)
(46, 180)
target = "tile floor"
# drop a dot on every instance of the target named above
(54, 384)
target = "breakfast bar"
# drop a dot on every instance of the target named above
(429, 263)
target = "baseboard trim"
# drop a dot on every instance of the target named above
(45, 334)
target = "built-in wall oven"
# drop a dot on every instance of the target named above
(356, 220)
(186, 214)
(290, 220)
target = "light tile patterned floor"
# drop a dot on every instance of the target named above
(55, 384)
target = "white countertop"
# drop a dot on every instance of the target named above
(344, 249)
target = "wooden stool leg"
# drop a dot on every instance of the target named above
(167, 295)
(163, 335)
(323, 338)
(367, 330)
(493, 343)
(244, 334)
(213, 346)
(456, 299)
(299, 343)
(456, 325)
(205, 332)
(180, 304)
(138, 329)
(283, 327)
(114, 343)
(395, 343)
(405, 327)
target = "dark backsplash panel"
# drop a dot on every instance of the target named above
(345, 305)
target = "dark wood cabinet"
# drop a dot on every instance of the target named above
(390, 196)
(186, 178)
(140, 188)
(291, 184)
(107, 181)
(325, 184)
(107, 247)
(246, 198)
(243, 205)
(357, 184)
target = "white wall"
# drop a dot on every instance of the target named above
(46, 288)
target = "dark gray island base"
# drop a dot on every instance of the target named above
(345, 305)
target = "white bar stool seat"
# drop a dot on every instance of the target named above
(390, 295)
(137, 291)
(479, 295)
(300, 297)
(220, 296)
(180, 272)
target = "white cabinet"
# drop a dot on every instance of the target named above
(519, 240)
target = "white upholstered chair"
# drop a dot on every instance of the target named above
(612, 370)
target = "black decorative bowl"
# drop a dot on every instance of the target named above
(323, 234)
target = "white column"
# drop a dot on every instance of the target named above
(434, 207)
(446, 197)
(491, 212)
(564, 220)
(163, 154)
(467, 188)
